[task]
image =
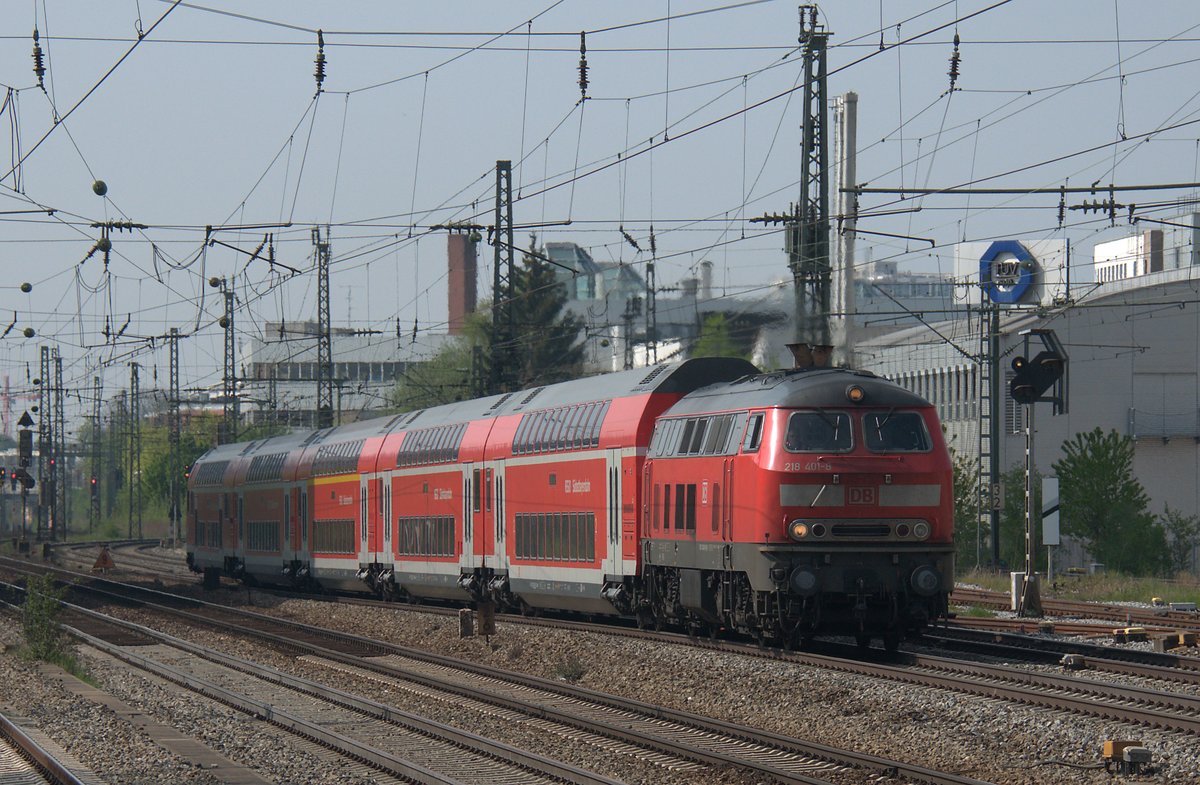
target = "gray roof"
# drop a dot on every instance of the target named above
(793, 388)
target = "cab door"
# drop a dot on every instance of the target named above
(725, 504)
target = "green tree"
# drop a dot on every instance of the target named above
(716, 338)
(1012, 519)
(1184, 534)
(547, 346)
(446, 377)
(1105, 506)
(966, 512)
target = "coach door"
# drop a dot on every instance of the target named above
(365, 510)
(612, 550)
(289, 537)
(304, 521)
(472, 515)
(496, 533)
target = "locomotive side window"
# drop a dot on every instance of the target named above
(657, 507)
(679, 508)
(896, 432)
(818, 431)
(690, 514)
(666, 507)
(753, 433)
(716, 506)
(698, 436)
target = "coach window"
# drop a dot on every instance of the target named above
(574, 433)
(753, 433)
(818, 431)
(543, 427)
(601, 412)
(476, 489)
(585, 424)
(562, 434)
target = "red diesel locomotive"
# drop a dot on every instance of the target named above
(702, 493)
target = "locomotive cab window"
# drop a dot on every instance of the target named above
(895, 432)
(753, 433)
(818, 431)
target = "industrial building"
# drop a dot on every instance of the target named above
(1133, 343)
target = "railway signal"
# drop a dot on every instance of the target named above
(1032, 380)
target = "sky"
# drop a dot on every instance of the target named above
(691, 126)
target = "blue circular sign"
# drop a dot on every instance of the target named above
(1006, 271)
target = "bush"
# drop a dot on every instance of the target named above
(44, 637)
(570, 669)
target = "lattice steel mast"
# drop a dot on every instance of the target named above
(173, 433)
(324, 343)
(135, 454)
(502, 363)
(808, 235)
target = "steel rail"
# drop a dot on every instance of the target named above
(618, 730)
(45, 762)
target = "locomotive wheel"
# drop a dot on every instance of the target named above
(863, 641)
(891, 642)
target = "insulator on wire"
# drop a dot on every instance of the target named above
(39, 63)
(955, 60)
(1062, 205)
(319, 73)
(629, 239)
(653, 242)
(583, 66)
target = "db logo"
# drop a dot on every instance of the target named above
(862, 495)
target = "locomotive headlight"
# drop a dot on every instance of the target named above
(920, 530)
(855, 394)
(925, 580)
(798, 530)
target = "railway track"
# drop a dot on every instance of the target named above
(674, 736)
(1124, 614)
(29, 758)
(1077, 694)
(396, 743)
(130, 557)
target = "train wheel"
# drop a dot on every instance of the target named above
(891, 642)
(863, 641)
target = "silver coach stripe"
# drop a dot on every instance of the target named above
(812, 495)
(910, 495)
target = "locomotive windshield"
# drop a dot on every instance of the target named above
(818, 431)
(894, 431)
